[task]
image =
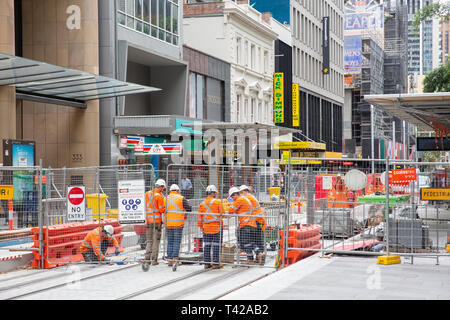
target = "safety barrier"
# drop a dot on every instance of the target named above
(61, 243)
(299, 237)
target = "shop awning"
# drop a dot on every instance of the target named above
(44, 82)
(244, 126)
(420, 109)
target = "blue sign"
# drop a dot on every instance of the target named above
(352, 53)
(22, 155)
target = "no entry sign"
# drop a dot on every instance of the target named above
(76, 204)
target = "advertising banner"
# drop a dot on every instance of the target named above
(131, 201)
(278, 97)
(363, 14)
(295, 105)
(352, 54)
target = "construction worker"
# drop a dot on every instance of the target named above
(176, 205)
(155, 208)
(261, 224)
(242, 206)
(96, 242)
(210, 221)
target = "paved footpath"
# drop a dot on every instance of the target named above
(353, 278)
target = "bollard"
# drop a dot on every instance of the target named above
(10, 212)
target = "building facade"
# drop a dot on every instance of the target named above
(45, 31)
(237, 34)
(142, 42)
(321, 95)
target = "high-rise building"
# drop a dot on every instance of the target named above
(424, 50)
(445, 41)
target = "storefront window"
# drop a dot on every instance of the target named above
(161, 14)
(206, 98)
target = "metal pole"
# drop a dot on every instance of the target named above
(393, 140)
(40, 220)
(387, 205)
(372, 139)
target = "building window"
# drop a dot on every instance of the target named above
(253, 57)
(266, 62)
(238, 50)
(206, 97)
(156, 18)
(238, 107)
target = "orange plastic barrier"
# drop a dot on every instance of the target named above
(301, 237)
(63, 243)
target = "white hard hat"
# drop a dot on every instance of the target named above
(244, 187)
(174, 187)
(160, 183)
(233, 190)
(211, 188)
(109, 230)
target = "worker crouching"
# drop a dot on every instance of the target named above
(210, 221)
(176, 206)
(96, 242)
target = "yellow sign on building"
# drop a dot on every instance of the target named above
(7, 192)
(432, 194)
(278, 97)
(306, 145)
(295, 105)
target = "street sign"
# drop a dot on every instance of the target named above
(7, 192)
(76, 203)
(131, 201)
(435, 194)
(400, 177)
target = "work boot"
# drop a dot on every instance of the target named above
(155, 262)
(217, 266)
(177, 260)
(261, 258)
(207, 266)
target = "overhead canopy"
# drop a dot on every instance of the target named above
(244, 126)
(40, 81)
(419, 109)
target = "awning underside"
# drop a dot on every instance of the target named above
(422, 110)
(42, 80)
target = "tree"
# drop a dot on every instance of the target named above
(433, 10)
(438, 80)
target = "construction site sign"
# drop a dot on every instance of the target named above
(403, 176)
(435, 194)
(131, 201)
(7, 192)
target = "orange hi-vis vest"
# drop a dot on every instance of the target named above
(210, 218)
(154, 206)
(258, 211)
(174, 211)
(93, 241)
(243, 207)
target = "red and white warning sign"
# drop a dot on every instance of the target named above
(76, 204)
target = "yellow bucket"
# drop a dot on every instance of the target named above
(112, 214)
(274, 191)
(93, 200)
